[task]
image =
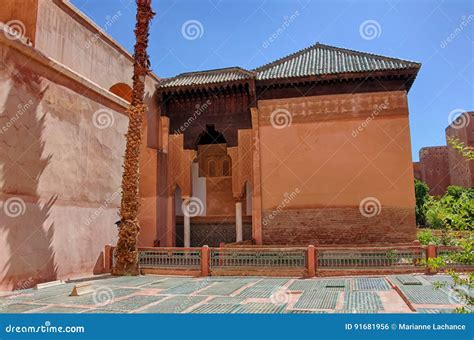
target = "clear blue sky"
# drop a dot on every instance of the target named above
(234, 32)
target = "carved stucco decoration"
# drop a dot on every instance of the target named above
(179, 166)
(241, 163)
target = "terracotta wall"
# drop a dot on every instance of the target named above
(461, 169)
(60, 169)
(318, 170)
(434, 168)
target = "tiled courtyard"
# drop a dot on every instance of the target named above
(165, 294)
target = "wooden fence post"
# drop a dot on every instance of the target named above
(108, 260)
(431, 253)
(311, 261)
(205, 261)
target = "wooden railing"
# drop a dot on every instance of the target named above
(170, 258)
(370, 257)
(284, 261)
(258, 257)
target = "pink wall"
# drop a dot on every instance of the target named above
(60, 170)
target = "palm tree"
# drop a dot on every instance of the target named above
(126, 252)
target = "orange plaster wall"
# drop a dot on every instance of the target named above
(330, 167)
(21, 14)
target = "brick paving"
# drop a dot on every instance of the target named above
(165, 294)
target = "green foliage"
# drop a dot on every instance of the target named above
(466, 151)
(463, 283)
(426, 237)
(421, 194)
(454, 210)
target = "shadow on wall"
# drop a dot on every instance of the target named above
(26, 231)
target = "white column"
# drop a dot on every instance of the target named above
(187, 226)
(238, 221)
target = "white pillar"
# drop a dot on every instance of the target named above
(187, 227)
(238, 221)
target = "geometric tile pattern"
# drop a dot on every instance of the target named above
(435, 310)
(425, 295)
(258, 292)
(260, 308)
(188, 288)
(318, 299)
(214, 308)
(362, 301)
(175, 304)
(234, 300)
(164, 294)
(223, 288)
(408, 280)
(371, 283)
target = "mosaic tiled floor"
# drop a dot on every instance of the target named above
(160, 294)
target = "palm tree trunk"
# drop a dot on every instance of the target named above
(126, 252)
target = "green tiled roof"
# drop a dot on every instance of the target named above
(316, 60)
(208, 77)
(323, 60)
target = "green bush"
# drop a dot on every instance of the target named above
(454, 210)
(421, 195)
(426, 237)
